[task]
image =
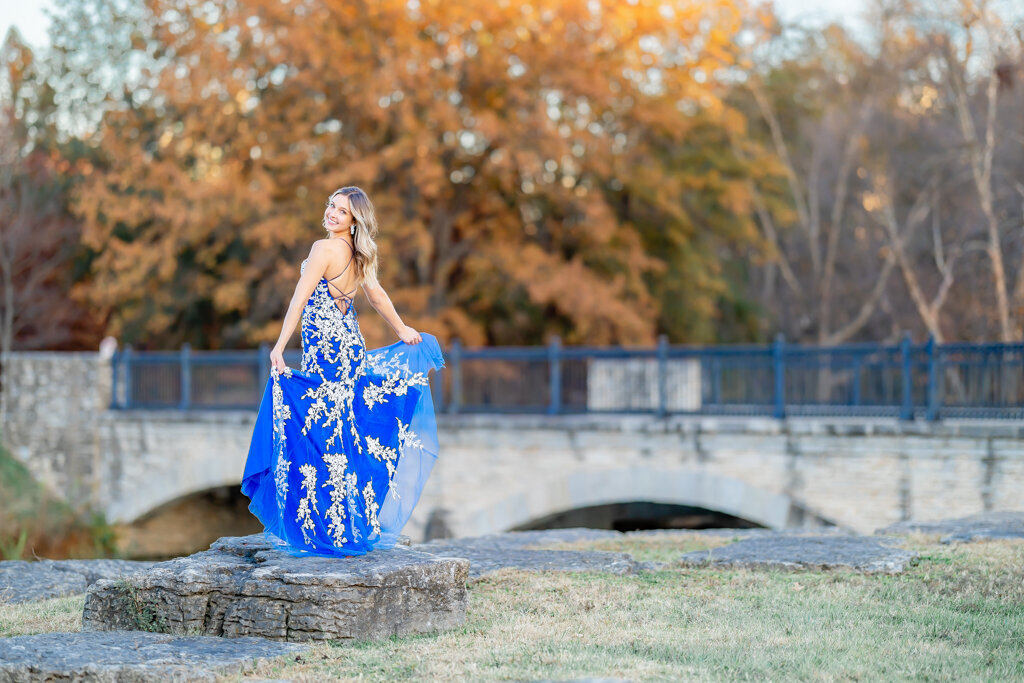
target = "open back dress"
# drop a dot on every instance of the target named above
(341, 449)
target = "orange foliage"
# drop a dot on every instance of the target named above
(497, 139)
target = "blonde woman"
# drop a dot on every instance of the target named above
(341, 448)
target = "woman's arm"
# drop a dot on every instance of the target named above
(381, 302)
(316, 266)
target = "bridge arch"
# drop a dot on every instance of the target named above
(188, 523)
(587, 488)
(145, 493)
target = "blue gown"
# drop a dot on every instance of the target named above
(341, 449)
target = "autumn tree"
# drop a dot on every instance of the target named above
(536, 168)
(38, 239)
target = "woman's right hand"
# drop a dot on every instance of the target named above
(277, 359)
(409, 335)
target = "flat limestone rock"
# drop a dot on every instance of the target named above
(739, 533)
(24, 581)
(866, 554)
(543, 536)
(131, 656)
(241, 586)
(986, 526)
(492, 552)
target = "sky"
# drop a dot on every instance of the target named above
(31, 21)
(28, 16)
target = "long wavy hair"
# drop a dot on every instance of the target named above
(365, 220)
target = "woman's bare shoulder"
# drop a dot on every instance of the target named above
(323, 250)
(329, 246)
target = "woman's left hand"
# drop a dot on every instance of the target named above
(409, 335)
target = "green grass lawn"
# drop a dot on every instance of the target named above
(957, 614)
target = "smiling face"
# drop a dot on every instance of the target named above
(338, 215)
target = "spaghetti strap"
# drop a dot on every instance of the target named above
(350, 258)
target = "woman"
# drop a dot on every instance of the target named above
(341, 448)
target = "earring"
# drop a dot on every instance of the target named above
(352, 229)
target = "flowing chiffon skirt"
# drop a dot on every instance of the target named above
(342, 448)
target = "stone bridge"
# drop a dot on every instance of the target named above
(498, 472)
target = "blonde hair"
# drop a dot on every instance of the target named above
(365, 221)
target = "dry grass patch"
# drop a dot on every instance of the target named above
(43, 616)
(646, 548)
(973, 572)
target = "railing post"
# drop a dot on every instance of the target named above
(456, 357)
(115, 359)
(932, 413)
(779, 368)
(263, 367)
(186, 375)
(907, 409)
(716, 378)
(858, 364)
(555, 377)
(662, 375)
(127, 376)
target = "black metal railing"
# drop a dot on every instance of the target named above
(906, 380)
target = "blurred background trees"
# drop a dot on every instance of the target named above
(40, 248)
(606, 171)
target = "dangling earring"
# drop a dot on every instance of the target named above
(352, 230)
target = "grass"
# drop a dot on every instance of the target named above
(143, 612)
(957, 614)
(42, 616)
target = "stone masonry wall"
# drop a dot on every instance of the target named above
(52, 402)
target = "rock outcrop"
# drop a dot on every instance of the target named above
(24, 581)
(986, 526)
(866, 554)
(490, 553)
(241, 586)
(130, 657)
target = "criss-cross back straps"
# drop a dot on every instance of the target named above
(344, 295)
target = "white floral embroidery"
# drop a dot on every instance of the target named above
(307, 506)
(392, 365)
(334, 352)
(386, 454)
(336, 466)
(393, 384)
(406, 437)
(282, 413)
(371, 507)
(373, 394)
(379, 450)
(351, 489)
(332, 401)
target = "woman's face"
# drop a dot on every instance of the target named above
(338, 217)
